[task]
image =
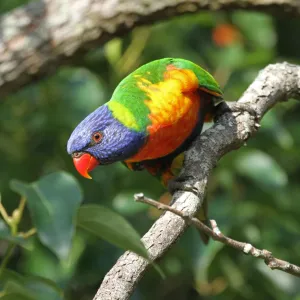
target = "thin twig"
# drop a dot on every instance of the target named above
(21, 208)
(216, 234)
(13, 222)
(4, 214)
(28, 233)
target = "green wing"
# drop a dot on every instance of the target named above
(127, 102)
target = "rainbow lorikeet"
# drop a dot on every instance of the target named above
(153, 116)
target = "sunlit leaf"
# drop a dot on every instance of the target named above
(272, 125)
(265, 37)
(262, 169)
(282, 280)
(124, 205)
(232, 272)
(230, 57)
(110, 226)
(113, 50)
(53, 201)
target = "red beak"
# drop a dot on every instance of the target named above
(84, 164)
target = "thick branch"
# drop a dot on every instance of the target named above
(37, 38)
(215, 233)
(274, 84)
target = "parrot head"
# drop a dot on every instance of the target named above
(101, 139)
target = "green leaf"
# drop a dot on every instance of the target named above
(15, 291)
(47, 288)
(274, 126)
(124, 205)
(6, 235)
(262, 169)
(56, 271)
(110, 226)
(265, 37)
(16, 296)
(53, 202)
(30, 287)
(9, 275)
(230, 57)
(76, 85)
(113, 51)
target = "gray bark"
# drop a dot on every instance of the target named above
(275, 83)
(37, 38)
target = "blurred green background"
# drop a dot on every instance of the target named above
(253, 192)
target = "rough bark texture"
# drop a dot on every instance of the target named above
(35, 39)
(275, 83)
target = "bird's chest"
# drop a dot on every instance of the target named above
(172, 122)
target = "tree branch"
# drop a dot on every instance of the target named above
(275, 83)
(37, 38)
(215, 233)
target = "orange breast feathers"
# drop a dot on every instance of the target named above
(174, 107)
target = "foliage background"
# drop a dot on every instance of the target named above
(254, 192)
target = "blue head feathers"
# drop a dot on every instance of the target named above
(116, 142)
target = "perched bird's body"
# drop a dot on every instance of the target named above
(153, 116)
(164, 103)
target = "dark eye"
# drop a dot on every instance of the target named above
(97, 137)
(76, 154)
